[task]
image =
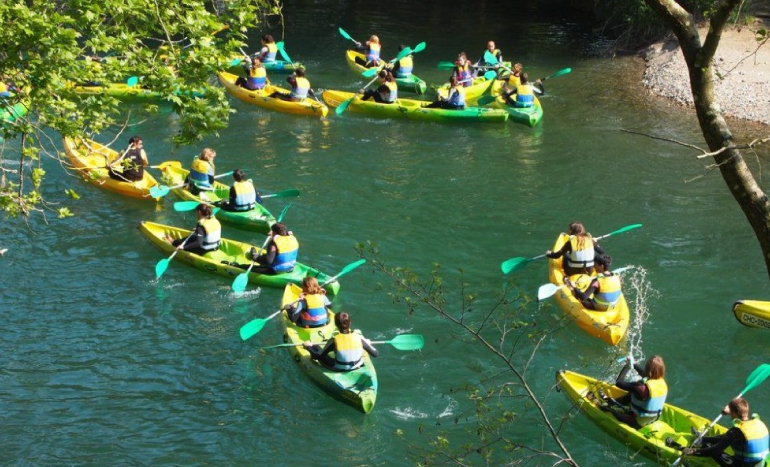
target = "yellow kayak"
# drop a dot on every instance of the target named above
(752, 313)
(609, 326)
(261, 98)
(90, 159)
(650, 441)
(478, 88)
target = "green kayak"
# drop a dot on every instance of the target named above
(357, 388)
(10, 112)
(278, 66)
(530, 116)
(413, 109)
(258, 219)
(230, 251)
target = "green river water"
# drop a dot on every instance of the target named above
(103, 365)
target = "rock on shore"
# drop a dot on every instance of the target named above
(744, 88)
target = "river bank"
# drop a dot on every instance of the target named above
(742, 66)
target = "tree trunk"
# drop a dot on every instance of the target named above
(699, 58)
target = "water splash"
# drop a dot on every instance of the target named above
(643, 294)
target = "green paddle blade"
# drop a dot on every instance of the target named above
(279, 45)
(251, 328)
(490, 74)
(240, 282)
(402, 54)
(343, 106)
(161, 267)
(345, 35)
(514, 264)
(419, 47)
(757, 377)
(283, 212)
(485, 100)
(291, 193)
(285, 55)
(558, 73)
(234, 62)
(406, 342)
(370, 72)
(489, 57)
(132, 81)
(346, 270)
(159, 191)
(445, 65)
(184, 206)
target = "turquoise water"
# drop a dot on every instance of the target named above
(103, 365)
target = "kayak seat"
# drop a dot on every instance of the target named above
(661, 430)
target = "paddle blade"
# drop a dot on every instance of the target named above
(234, 62)
(558, 73)
(132, 81)
(514, 264)
(184, 206)
(345, 35)
(161, 267)
(284, 55)
(445, 65)
(159, 191)
(240, 282)
(282, 215)
(489, 57)
(547, 290)
(485, 100)
(292, 193)
(402, 54)
(490, 74)
(344, 105)
(757, 377)
(419, 47)
(370, 72)
(407, 342)
(251, 328)
(350, 267)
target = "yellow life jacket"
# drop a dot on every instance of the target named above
(288, 248)
(213, 230)
(653, 406)
(199, 174)
(349, 351)
(578, 258)
(405, 67)
(392, 92)
(245, 196)
(757, 440)
(609, 291)
(301, 89)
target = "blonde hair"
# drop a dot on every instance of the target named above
(310, 285)
(374, 39)
(208, 155)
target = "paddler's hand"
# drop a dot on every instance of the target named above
(688, 451)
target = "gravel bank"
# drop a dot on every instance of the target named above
(744, 90)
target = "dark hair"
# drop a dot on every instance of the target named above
(134, 139)
(524, 78)
(204, 209)
(342, 320)
(604, 260)
(452, 81)
(279, 228)
(268, 38)
(300, 71)
(238, 175)
(739, 407)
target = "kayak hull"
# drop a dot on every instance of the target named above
(90, 159)
(261, 98)
(752, 313)
(258, 219)
(610, 326)
(278, 66)
(410, 84)
(411, 109)
(650, 440)
(9, 113)
(479, 86)
(357, 388)
(231, 251)
(529, 116)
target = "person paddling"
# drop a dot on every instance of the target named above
(646, 396)
(578, 252)
(604, 291)
(129, 167)
(243, 195)
(348, 347)
(206, 236)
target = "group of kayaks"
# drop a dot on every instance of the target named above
(357, 387)
(403, 108)
(675, 428)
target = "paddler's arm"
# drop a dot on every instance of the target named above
(368, 347)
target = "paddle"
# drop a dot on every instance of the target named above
(347, 36)
(514, 264)
(757, 377)
(548, 290)
(132, 81)
(407, 51)
(165, 164)
(184, 206)
(344, 105)
(162, 190)
(242, 279)
(446, 65)
(558, 73)
(401, 342)
(251, 328)
(288, 59)
(162, 265)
